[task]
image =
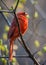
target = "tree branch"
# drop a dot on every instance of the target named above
(5, 18)
(4, 4)
(17, 56)
(7, 11)
(16, 6)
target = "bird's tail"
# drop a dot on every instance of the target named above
(11, 50)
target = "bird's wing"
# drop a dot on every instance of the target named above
(12, 28)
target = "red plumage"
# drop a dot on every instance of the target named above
(13, 31)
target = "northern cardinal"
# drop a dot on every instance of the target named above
(13, 32)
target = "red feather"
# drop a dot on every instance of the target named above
(13, 31)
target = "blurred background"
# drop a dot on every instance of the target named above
(35, 37)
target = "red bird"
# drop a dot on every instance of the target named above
(13, 31)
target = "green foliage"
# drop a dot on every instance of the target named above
(20, 5)
(4, 61)
(1, 41)
(6, 28)
(6, 14)
(23, 1)
(2, 48)
(11, 8)
(44, 49)
(34, 2)
(5, 36)
(37, 43)
(14, 61)
(40, 53)
(36, 14)
(4, 52)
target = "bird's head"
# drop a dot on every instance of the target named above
(24, 14)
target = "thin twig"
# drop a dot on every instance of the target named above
(5, 18)
(16, 6)
(4, 4)
(7, 11)
(18, 56)
(8, 8)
